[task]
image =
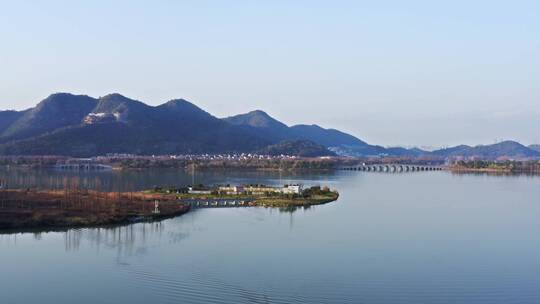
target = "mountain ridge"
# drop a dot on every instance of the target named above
(265, 123)
(535, 147)
(116, 123)
(80, 125)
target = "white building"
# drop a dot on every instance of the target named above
(291, 189)
(232, 189)
(192, 190)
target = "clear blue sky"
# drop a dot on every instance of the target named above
(390, 72)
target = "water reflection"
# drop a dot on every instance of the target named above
(134, 239)
(497, 173)
(426, 237)
(133, 180)
(128, 240)
(292, 209)
(125, 240)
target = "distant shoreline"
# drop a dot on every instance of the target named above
(503, 167)
(256, 163)
(480, 170)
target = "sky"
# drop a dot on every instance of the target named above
(410, 73)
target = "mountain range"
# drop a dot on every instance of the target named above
(79, 125)
(505, 149)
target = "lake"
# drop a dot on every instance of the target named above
(422, 237)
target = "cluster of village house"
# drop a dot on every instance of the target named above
(252, 189)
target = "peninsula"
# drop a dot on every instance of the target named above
(30, 208)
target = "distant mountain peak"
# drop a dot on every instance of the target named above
(508, 143)
(178, 101)
(257, 119)
(184, 108)
(181, 104)
(58, 94)
(58, 110)
(61, 98)
(258, 112)
(116, 102)
(113, 96)
(117, 97)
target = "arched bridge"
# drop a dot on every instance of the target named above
(393, 168)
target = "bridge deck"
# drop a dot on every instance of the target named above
(218, 202)
(393, 168)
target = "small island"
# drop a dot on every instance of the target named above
(53, 209)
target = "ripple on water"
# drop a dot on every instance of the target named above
(195, 287)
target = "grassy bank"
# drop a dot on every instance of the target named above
(23, 209)
(297, 201)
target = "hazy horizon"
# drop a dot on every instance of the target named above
(410, 74)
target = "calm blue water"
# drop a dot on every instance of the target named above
(426, 237)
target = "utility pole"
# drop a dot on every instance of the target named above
(280, 168)
(192, 174)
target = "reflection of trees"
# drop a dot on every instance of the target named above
(293, 209)
(126, 240)
(72, 239)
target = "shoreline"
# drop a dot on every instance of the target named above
(112, 224)
(24, 209)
